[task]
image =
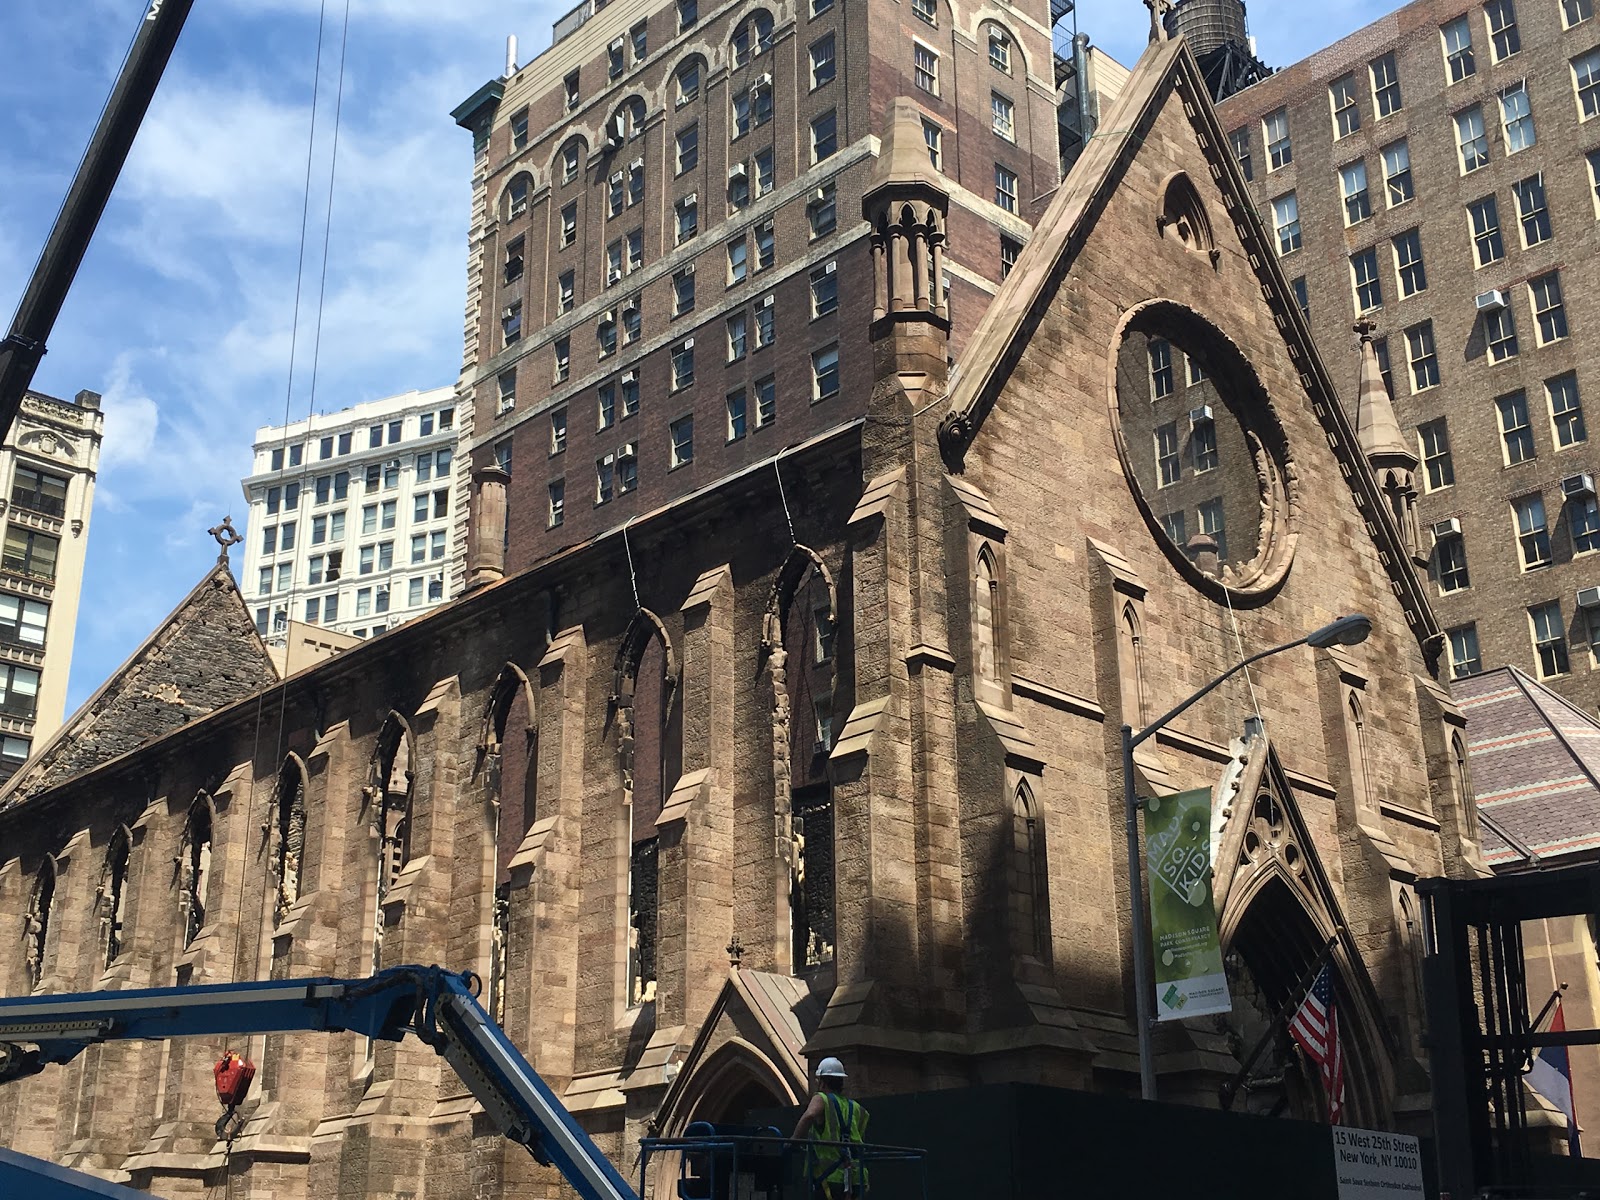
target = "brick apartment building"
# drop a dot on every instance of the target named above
(1438, 173)
(671, 275)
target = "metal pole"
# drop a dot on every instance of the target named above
(1143, 996)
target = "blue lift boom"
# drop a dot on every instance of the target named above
(435, 1005)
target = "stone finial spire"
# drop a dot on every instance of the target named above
(1393, 462)
(1158, 12)
(905, 203)
(1376, 425)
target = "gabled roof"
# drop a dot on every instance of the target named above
(1041, 270)
(204, 655)
(1534, 759)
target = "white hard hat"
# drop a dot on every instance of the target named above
(830, 1068)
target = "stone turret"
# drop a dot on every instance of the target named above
(906, 204)
(1392, 460)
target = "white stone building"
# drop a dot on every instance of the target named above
(351, 523)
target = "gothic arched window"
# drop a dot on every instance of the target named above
(1030, 887)
(36, 928)
(194, 866)
(289, 836)
(112, 897)
(1131, 663)
(752, 37)
(389, 787)
(1461, 787)
(1356, 729)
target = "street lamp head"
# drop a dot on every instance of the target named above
(1346, 631)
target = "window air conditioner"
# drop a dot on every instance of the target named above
(628, 450)
(616, 177)
(831, 267)
(820, 195)
(737, 170)
(636, 165)
(1444, 529)
(692, 198)
(766, 302)
(630, 377)
(1574, 486)
(1491, 301)
(1589, 597)
(1199, 416)
(688, 343)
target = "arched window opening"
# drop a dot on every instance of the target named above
(112, 895)
(195, 865)
(1461, 787)
(810, 634)
(986, 608)
(1360, 781)
(687, 80)
(510, 775)
(1131, 663)
(752, 37)
(514, 203)
(1183, 216)
(651, 748)
(627, 122)
(289, 836)
(1030, 885)
(1411, 954)
(389, 793)
(36, 928)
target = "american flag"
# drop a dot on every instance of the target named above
(1316, 1027)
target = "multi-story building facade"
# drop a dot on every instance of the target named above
(49, 464)
(352, 516)
(1438, 173)
(671, 278)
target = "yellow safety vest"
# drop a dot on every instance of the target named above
(843, 1120)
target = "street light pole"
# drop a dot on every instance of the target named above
(1346, 631)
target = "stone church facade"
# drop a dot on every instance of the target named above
(824, 758)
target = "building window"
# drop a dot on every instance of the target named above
(999, 51)
(1464, 657)
(1459, 63)
(511, 323)
(825, 373)
(630, 394)
(614, 261)
(1168, 462)
(735, 403)
(569, 224)
(606, 334)
(925, 10)
(683, 291)
(1583, 518)
(1385, 85)
(41, 492)
(683, 364)
(821, 211)
(1286, 223)
(824, 136)
(1161, 378)
(766, 393)
(738, 261)
(688, 218)
(1532, 210)
(614, 60)
(1003, 116)
(688, 14)
(1549, 312)
(569, 87)
(741, 114)
(1175, 527)
(924, 67)
(1211, 522)
(1275, 132)
(502, 454)
(635, 182)
(687, 148)
(19, 691)
(23, 622)
(519, 129)
(766, 327)
(1586, 80)
(1533, 535)
(1575, 12)
(606, 406)
(753, 36)
(1549, 638)
(1397, 173)
(1517, 116)
(1435, 438)
(933, 138)
(1239, 139)
(824, 289)
(1423, 357)
(569, 163)
(1005, 188)
(1364, 273)
(565, 288)
(1203, 445)
(736, 327)
(1450, 563)
(682, 441)
(687, 81)
(1487, 244)
(1500, 329)
(1346, 113)
(605, 478)
(766, 180)
(563, 352)
(627, 469)
(639, 37)
(1503, 36)
(556, 512)
(1353, 185)
(1566, 410)
(1408, 263)
(1515, 430)
(1471, 141)
(558, 430)
(823, 66)
(28, 552)
(1009, 249)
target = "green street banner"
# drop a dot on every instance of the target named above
(1183, 922)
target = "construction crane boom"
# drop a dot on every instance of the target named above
(437, 1006)
(24, 344)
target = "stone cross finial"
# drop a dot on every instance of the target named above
(1365, 328)
(227, 537)
(1158, 10)
(735, 953)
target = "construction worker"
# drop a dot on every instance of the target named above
(834, 1122)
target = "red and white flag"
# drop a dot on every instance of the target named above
(1316, 1027)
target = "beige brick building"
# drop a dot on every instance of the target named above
(850, 721)
(1438, 173)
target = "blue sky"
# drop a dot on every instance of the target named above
(183, 310)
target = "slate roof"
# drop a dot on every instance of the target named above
(1535, 764)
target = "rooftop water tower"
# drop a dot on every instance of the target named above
(1219, 36)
